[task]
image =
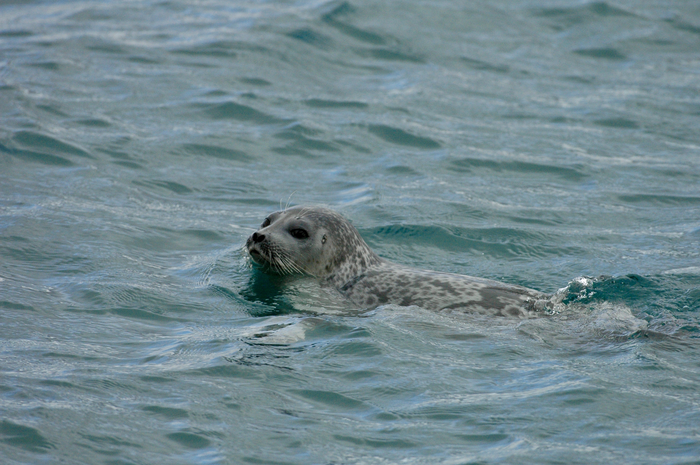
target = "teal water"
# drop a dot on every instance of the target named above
(551, 144)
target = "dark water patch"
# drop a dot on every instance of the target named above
(57, 383)
(651, 41)
(621, 123)
(563, 120)
(170, 186)
(474, 165)
(13, 34)
(118, 154)
(361, 374)
(320, 103)
(156, 379)
(144, 60)
(8, 305)
(332, 18)
(464, 336)
(102, 46)
(47, 65)
(294, 150)
(483, 438)
(189, 440)
(240, 112)
(296, 130)
(216, 93)
(302, 144)
(94, 123)
(330, 399)
(38, 157)
(255, 82)
(343, 9)
(65, 356)
(576, 397)
(608, 53)
(203, 234)
(34, 140)
(311, 37)
(376, 443)
(52, 109)
(217, 49)
(169, 413)
(589, 12)
(24, 437)
(580, 79)
(604, 9)
(358, 33)
(390, 55)
(128, 164)
(194, 64)
(683, 25)
(355, 147)
(401, 170)
(307, 143)
(401, 137)
(216, 152)
(107, 442)
(484, 66)
(659, 200)
(235, 369)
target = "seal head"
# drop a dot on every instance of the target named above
(311, 240)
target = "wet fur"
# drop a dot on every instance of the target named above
(336, 254)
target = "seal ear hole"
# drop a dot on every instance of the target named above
(323, 239)
(265, 223)
(299, 233)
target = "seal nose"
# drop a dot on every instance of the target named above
(258, 237)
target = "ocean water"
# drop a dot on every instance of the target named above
(552, 144)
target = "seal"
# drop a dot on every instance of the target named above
(319, 242)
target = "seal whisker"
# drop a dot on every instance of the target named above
(303, 212)
(290, 266)
(288, 201)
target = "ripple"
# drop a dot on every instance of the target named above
(216, 152)
(401, 137)
(189, 440)
(24, 437)
(237, 111)
(320, 103)
(468, 165)
(311, 37)
(604, 53)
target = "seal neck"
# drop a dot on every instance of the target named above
(353, 268)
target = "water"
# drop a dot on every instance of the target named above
(548, 144)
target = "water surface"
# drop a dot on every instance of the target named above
(547, 144)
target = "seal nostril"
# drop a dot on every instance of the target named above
(258, 237)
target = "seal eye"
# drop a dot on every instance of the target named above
(299, 233)
(265, 223)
